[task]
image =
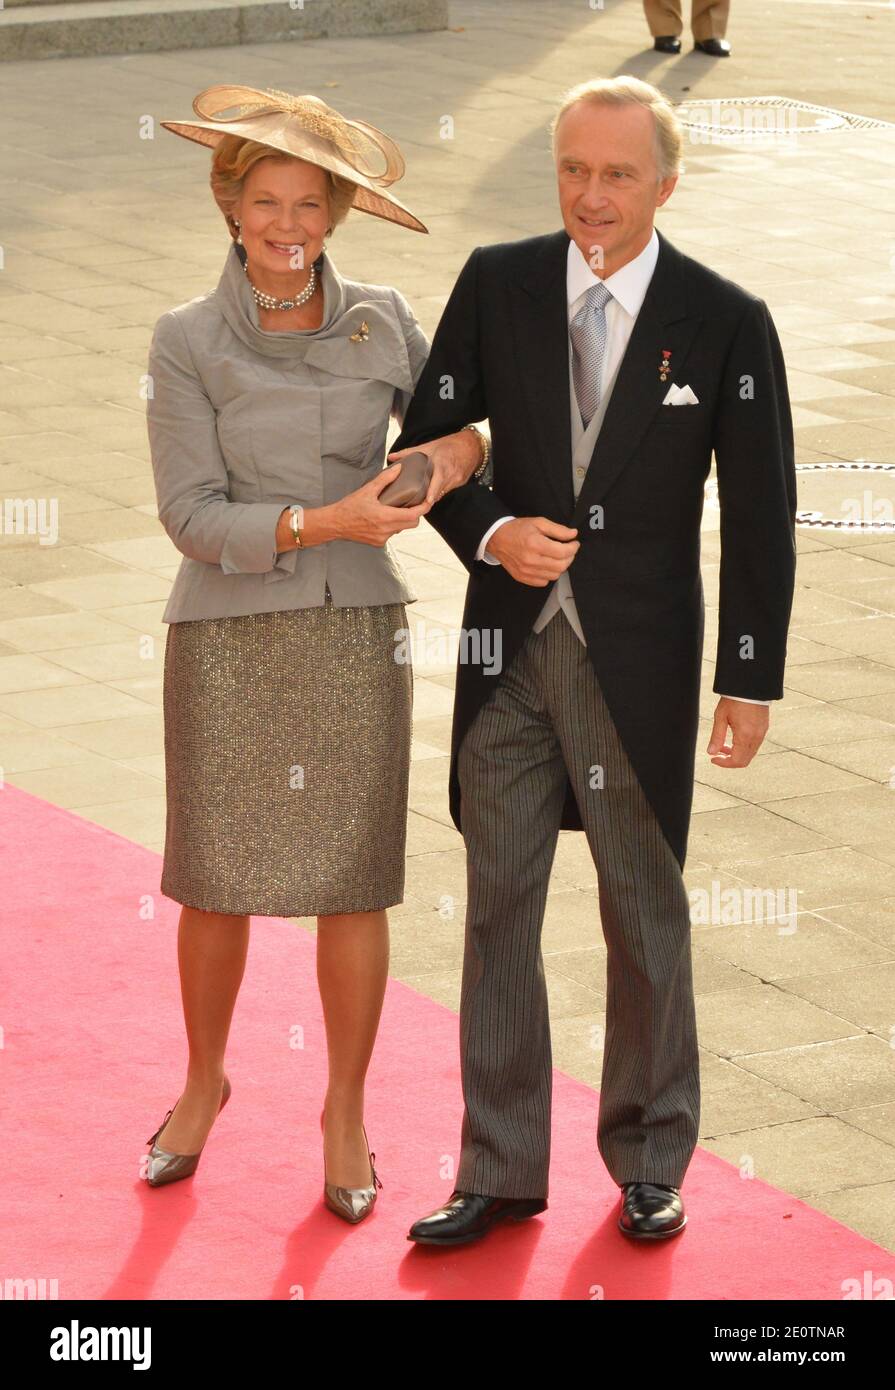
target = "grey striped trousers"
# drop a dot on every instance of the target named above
(546, 715)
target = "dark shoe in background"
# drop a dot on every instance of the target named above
(716, 48)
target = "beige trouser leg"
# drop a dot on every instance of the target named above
(708, 18)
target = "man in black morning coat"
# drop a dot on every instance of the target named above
(609, 366)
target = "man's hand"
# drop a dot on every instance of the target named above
(455, 457)
(534, 549)
(749, 724)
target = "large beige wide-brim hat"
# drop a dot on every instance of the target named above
(306, 127)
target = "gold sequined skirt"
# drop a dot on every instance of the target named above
(287, 761)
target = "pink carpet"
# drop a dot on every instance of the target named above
(94, 1055)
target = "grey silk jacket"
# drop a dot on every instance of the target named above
(243, 421)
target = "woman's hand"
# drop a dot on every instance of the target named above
(360, 516)
(455, 457)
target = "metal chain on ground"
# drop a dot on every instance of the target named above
(843, 523)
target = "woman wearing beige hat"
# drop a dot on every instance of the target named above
(287, 712)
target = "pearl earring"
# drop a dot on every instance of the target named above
(236, 223)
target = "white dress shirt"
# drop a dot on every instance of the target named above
(628, 286)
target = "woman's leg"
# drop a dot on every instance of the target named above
(352, 970)
(211, 952)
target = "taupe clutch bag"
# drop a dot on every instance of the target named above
(412, 483)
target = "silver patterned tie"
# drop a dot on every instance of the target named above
(588, 333)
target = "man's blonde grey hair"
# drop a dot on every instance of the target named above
(628, 91)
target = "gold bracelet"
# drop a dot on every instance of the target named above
(486, 450)
(296, 521)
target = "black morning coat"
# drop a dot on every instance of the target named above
(501, 353)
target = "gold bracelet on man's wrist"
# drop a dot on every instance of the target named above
(486, 449)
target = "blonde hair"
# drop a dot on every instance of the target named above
(630, 91)
(234, 156)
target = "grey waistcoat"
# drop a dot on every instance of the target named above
(584, 441)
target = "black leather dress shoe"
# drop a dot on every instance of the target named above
(669, 43)
(467, 1216)
(651, 1211)
(718, 48)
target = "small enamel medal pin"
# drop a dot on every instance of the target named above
(362, 333)
(665, 364)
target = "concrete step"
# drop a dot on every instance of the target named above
(7, 3)
(85, 28)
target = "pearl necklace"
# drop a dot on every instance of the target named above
(269, 301)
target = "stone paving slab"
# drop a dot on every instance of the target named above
(103, 231)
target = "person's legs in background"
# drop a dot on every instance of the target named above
(666, 24)
(708, 20)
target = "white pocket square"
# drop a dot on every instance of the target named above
(681, 395)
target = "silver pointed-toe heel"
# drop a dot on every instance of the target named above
(165, 1167)
(351, 1203)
